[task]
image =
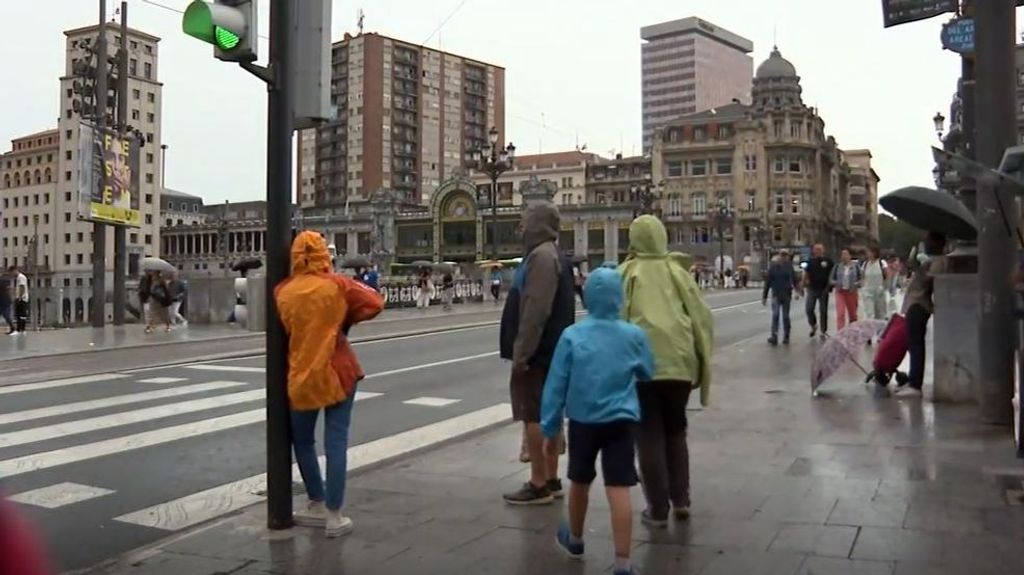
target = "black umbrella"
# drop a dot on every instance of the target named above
(247, 264)
(933, 210)
(356, 262)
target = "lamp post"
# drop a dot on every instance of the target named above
(940, 124)
(723, 213)
(494, 162)
(644, 195)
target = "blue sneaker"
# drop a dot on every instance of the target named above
(573, 550)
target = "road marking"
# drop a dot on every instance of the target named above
(128, 417)
(163, 380)
(199, 507)
(59, 495)
(74, 454)
(64, 409)
(60, 382)
(361, 395)
(429, 402)
(736, 306)
(234, 368)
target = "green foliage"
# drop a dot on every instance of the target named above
(896, 237)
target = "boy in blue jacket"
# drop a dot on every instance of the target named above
(592, 380)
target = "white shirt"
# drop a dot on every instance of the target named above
(21, 287)
(874, 275)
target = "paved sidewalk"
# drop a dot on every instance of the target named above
(783, 483)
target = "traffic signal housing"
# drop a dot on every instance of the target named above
(229, 25)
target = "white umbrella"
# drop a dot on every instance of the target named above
(152, 264)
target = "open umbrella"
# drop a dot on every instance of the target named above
(422, 264)
(841, 348)
(356, 262)
(152, 264)
(930, 209)
(444, 267)
(491, 264)
(246, 264)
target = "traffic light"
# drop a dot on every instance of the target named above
(230, 25)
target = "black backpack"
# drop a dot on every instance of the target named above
(563, 314)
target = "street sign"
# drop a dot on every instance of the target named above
(896, 12)
(958, 35)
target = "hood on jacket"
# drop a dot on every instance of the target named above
(647, 237)
(603, 294)
(310, 254)
(541, 222)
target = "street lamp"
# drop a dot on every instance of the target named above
(940, 124)
(723, 213)
(493, 161)
(644, 195)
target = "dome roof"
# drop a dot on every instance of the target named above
(776, 67)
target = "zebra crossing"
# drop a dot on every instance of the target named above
(168, 451)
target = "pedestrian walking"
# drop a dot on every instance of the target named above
(425, 290)
(817, 281)
(5, 303)
(371, 277)
(145, 285)
(317, 308)
(874, 290)
(664, 300)
(781, 283)
(21, 299)
(160, 300)
(580, 279)
(592, 380)
(179, 292)
(918, 307)
(496, 285)
(541, 303)
(846, 278)
(447, 290)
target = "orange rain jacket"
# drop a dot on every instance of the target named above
(317, 307)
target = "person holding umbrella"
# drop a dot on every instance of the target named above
(918, 306)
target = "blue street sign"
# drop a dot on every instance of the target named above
(958, 35)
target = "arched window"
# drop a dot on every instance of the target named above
(7, 180)
(49, 175)
(28, 178)
(39, 177)
(17, 179)
(79, 310)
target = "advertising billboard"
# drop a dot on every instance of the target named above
(896, 12)
(108, 177)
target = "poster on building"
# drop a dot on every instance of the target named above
(108, 178)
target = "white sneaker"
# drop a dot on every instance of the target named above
(338, 524)
(907, 391)
(315, 515)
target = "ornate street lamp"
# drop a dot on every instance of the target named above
(722, 214)
(645, 195)
(493, 161)
(940, 124)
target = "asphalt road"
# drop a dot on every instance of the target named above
(109, 462)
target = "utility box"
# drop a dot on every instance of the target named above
(955, 353)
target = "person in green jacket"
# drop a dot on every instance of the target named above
(663, 299)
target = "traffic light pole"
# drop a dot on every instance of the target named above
(99, 230)
(120, 243)
(279, 184)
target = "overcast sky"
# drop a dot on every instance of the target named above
(573, 71)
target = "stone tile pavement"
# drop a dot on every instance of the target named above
(783, 483)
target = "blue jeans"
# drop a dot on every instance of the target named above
(780, 304)
(337, 419)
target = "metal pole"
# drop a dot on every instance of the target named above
(163, 167)
(99, 230)
(120, 233)
(279, 185)
(35, 270)
(494, 216)
(995, 105)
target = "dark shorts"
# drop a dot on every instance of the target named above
(525, 392)
(614, 441)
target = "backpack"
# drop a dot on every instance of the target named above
(161, 294)
(563, 314)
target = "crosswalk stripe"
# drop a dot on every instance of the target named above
(59, 495)
(233, 368)
(245, 369)
(128, 417)
(79, 406)
(64, 456)
(60, 383)
(211, 503)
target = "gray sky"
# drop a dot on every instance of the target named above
(573, 68)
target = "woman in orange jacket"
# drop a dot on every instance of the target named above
(317, 307)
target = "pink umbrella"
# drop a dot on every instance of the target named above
(837, 350)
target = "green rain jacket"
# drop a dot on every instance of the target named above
(663, 299)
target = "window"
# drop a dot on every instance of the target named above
(750, 161)
(751, 200)
(149, 218)
(780, 164)
(67, 196)
(149, 198)
(674, 206)
(795, 204)
(67, 176)
(67, 259)
(133, 67)
(796, 130)
(674, 169)
(724, 133)
(79, 259)
(701, 235)
(67, 238)
(150, 117)
(35, 199)
(147, 48)
(169, 222)
(133, 238)
(777, 233)
(149, 137)
(795, 165)
(778, 130)
(46, 198)
(698, 134)
(698, 168)
(780, 202)
(149, 239)
(67, 134)
(723, 166)
(67, 217)
(184, 207)
(46, 218)
(150, 97)
(135, 114)
(195, 208)
(67, 155)
(746, 233)
(149, 178)
(46, 238)
(149, 157)
(134, 45)
(148, 70)
(700, 204)
(80, 236)
(136, 94)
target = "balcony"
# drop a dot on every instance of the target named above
(476, 89)
(404, 150)
(402, 87)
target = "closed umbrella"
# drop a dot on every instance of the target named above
(930, 209)
(152, 264)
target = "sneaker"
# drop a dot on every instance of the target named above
(314, 515)
(824, 335)
(564, 540)
(773, 340)
(648, 519)
(681, 513)
(529, 494)
(907, 391)
(555, 487)
(338, 524)
(785, 340)
(814, 330)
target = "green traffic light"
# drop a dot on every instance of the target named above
(198, 21)
(226, 39)
(222, 26)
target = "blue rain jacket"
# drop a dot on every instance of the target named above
(597, 362)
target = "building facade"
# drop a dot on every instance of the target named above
(408, 116)
(63, 259)
(305, 173)
(740, 180)
(690, 65)
(863, 196)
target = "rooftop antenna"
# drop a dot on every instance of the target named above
(360, 17)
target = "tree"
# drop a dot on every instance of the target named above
(897, 237)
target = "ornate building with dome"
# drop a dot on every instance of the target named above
(739, 181)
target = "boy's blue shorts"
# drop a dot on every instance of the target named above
(615, 441)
